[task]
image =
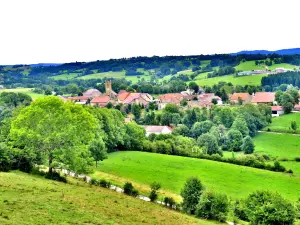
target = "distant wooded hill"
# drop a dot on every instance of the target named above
(290, 51)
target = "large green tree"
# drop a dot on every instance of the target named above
(57, 132)
(191, 193)
(264, 207)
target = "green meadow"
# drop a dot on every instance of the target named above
(241, 80)
(248, 66)
(66, 76)
(172, 171)
(283, 123)
(27, 199)
(277, 145)
(25, 91)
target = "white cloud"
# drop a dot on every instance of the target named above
(34, 31)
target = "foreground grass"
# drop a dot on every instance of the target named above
(26, 199)
(172, 171)
(283, 123)
(27, 91)
(277, 145)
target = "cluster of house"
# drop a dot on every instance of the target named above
(95, 98)
(260, 98)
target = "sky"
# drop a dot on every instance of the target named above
(57, 31)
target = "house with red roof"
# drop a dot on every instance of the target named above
(205, 100)
(243, 97)
(277, 110)
(128, 98)
(101, 101)
(170, 98)
(158, 130)
(263, 98)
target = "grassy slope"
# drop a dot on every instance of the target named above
(65, 76)
(248, 66)
(283, 123)
(27, 199)
(243, 80)
(25, 91)
(172, 172)
(278, 145)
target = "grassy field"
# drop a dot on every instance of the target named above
(278, 145)
(118, 75)
(27, 199)
(65, 76)
(250, 65)
(172, 171)
(25, 91)
(242, 80)
(283, 123)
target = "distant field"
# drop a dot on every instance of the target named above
(27, 199)
(242, 80)
(283, 123)
(65, 76)
(250, 65)
(278, 145)
(282, 65)
(172, 171)
(25, 91)
(103, 75)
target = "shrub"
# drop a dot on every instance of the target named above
(94, 182)
(104, 183)
(239, 210)
(130, 190)
(154, 188)
(169, 202)
(5, 158)
(213, 206)
(278, 167)
(191, 193)
(55, 176)
(22, 163)
(264, 207)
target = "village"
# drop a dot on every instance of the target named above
(94, 97)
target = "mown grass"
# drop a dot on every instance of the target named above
(27, 199)
(277, 145)
(283, 123)
(172, 171)
(27, 91)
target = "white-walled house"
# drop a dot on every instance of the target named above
(158, 130)
(277, 110)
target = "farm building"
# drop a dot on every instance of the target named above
(277, 110)
(173, 98)
(244, 97)
(158, 130)
(101, 101)
(263, 98)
